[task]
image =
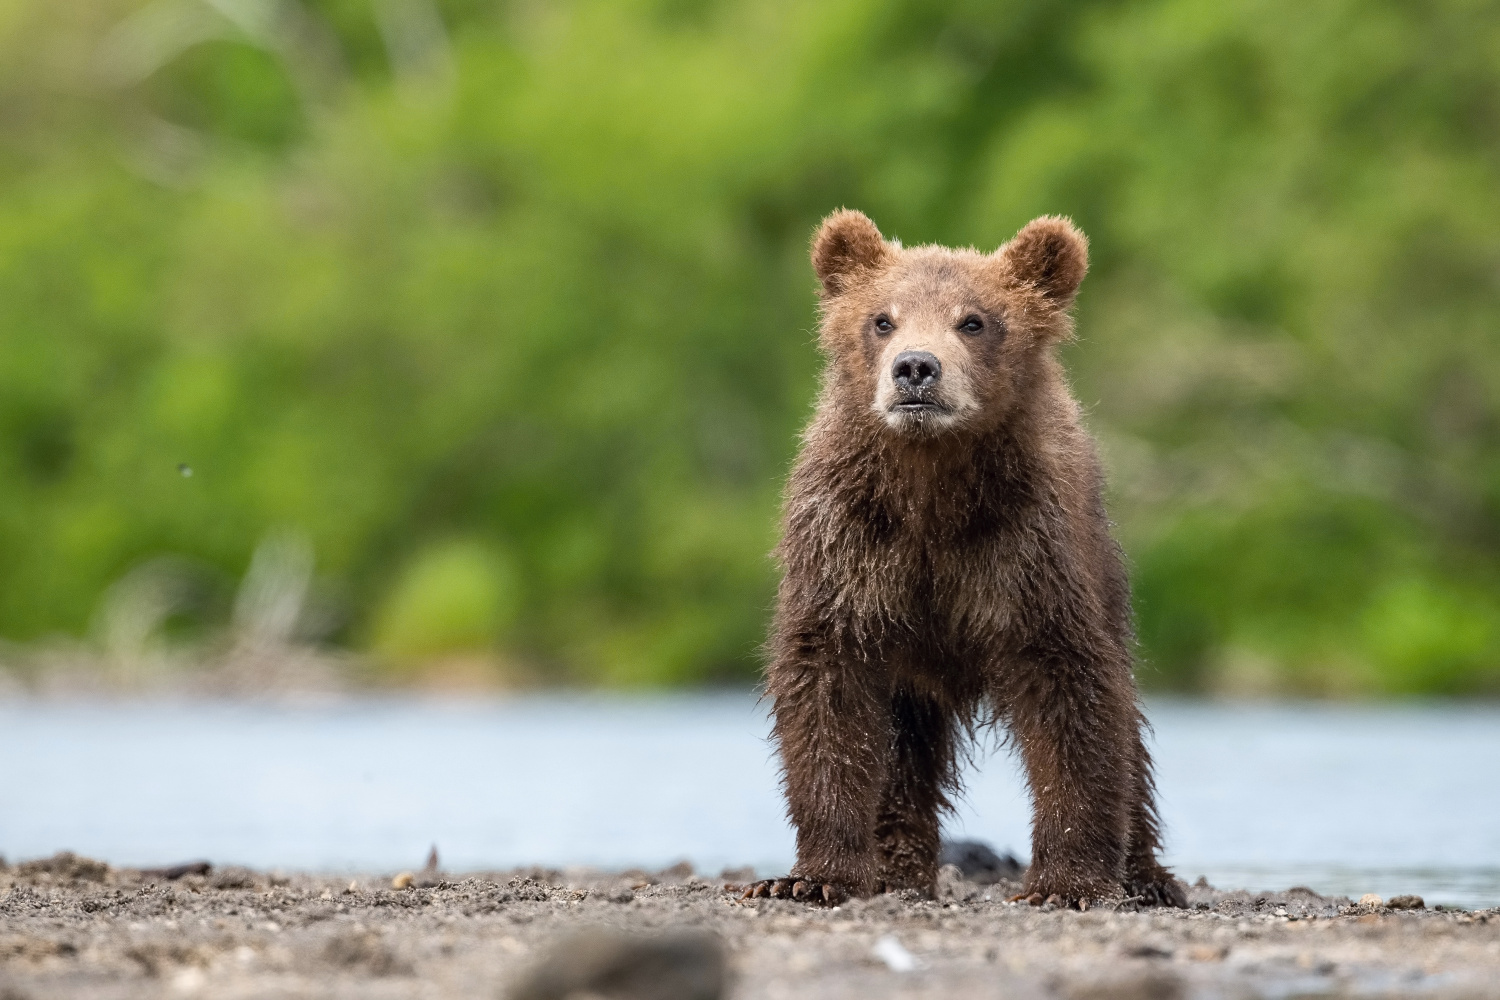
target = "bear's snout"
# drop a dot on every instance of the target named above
(915, 374)
(920, 392)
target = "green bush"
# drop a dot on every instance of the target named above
(455, 597)
(533, 276)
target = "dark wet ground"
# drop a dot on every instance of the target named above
(75, 928)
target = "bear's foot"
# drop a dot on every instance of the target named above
(802, 890)
(1067, 893)
(1080, 903)
(1156, 886)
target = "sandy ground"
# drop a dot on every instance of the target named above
(70, 927)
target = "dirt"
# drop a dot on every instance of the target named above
(71, 927)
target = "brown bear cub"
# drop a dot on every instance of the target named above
(947, 562)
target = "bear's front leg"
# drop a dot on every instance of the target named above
(1075, 724)
(833, 732)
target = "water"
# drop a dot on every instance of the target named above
(1339, 798)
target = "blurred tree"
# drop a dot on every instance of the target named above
(532, 276)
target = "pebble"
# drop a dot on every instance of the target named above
(189, 982)
(681, 965)
(403, 881)
(894, 954)
(1370, 899)
(1406, 903)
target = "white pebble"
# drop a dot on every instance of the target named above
(189, 982)
(894, 954)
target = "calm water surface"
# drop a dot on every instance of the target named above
(1340, 798)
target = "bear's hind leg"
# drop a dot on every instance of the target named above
(922, 769)
(1145, 877)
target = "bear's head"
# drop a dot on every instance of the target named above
(933, 340)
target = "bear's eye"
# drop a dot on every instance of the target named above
(971, 324)
(883, 324)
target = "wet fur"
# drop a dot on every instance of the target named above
(937, 578)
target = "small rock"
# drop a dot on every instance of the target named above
(403, 881)
(66, 864)
(172, 873)
(233, 877)
(637, 879)
(894, 954)
(1406, 903)
(1370, 899)
(979, 862)
(1154, 985)
(431, 874)
(683, 965)
(951, 884)
(189, 982)
(366, 950)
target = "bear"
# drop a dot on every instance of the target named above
(947, 565)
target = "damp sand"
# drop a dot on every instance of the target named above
(70, 927)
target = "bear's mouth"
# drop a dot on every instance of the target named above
(919, 416)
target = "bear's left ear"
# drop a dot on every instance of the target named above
(1049, 254)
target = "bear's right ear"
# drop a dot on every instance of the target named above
(846, 245)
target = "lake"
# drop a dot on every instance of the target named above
(1341, 798)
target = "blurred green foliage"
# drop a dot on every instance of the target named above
(455, 598)
(506, 307)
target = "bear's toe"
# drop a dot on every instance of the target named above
(1057, 899)
(1159, 888)
(1071, 893)
(799, 889)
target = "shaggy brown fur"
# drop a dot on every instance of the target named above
(948, 561)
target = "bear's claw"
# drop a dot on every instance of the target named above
(1163, 891)
(801, 890)
(1064, 902)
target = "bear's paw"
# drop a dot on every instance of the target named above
(799, 889)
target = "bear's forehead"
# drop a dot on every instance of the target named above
(938, 281)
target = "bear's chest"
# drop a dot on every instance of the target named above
(954, 576)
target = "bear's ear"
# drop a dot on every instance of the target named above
(847, 244)
(1049, 254)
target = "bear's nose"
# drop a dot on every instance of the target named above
(915, 369)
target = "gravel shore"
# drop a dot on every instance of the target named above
(71, 927)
